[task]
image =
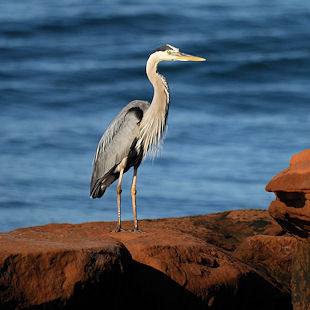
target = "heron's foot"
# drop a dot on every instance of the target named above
(138, 231)
(120, 230)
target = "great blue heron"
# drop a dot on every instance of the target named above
(138, 128)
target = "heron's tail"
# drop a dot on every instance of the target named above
(97, 190)
(98, 187)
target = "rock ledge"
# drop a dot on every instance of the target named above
(200, 262)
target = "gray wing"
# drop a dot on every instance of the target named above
(115, 145)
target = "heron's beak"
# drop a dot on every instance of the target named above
(187, 57)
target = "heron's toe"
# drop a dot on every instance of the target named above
(120, 230)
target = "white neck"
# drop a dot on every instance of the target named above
(153, 123)
(161, 88)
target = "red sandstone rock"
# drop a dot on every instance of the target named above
(292, 189)
(226, 229)
(271, 255)
(295, 178)
(169, 266)
(292, 211)
(48, 264)
(301, 276)
(203, 269)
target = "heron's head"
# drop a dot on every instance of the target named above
(170, 53)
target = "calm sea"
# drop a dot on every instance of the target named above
(67, 67)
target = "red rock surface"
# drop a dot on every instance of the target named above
(291, 210)
(301, 277)
(271, 255)
(48, 264)
(185, 263)
(295, 178)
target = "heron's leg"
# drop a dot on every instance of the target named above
(133, 197)
(119, 192)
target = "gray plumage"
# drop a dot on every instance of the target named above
(118, 142)
(138, 128)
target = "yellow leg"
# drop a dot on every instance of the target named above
(133, 197)
(119, 192)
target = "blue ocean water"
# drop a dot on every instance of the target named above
(68, 67)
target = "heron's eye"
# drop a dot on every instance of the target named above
(169, 52)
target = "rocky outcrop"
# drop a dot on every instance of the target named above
(291, 210)
(52, 267)
(199, 262)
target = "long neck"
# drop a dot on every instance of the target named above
(153, 123)
(161, 88)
